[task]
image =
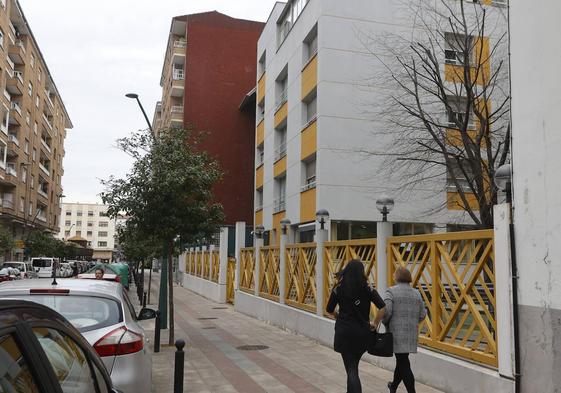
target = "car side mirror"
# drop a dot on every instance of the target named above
(146, 313)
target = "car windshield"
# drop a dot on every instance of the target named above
(86, 313)
(13, 264)
(42, 263)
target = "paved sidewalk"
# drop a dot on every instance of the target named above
(213, 332)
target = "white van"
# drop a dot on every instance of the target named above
(43, 266)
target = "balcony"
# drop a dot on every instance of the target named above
(15, 113)
(280, 151)
(47, 122)
(13, 138)
(43, 192)
(279, 205)
(177, 88)
(11, 169)
(45, 145)
(44, 169)
(11, 67)
(7, 203)
(48, 97)
(177, 116)
(178, 52)
(178, 74)
(13, 146)
(16, 51)
(14, 84)
(41, 216)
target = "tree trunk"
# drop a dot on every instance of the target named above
(170, 298)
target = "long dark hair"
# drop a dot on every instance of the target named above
(352, 281)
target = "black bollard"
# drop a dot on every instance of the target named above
(144, 299)
(179, 367)
(157, 332)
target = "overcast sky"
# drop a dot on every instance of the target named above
(99, 50)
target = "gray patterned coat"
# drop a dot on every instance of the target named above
(404, 310)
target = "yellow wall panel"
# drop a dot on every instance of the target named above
(281, 114)
(259, 217)
(279, 167)
(310, 76)
(259, 177)
(260, 134)
(455, 73)
(454, 201)
(277, 227)
(261, 89)
(308, 140)
(308, 205)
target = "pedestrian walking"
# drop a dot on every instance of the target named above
(405, 309)
(353, 296)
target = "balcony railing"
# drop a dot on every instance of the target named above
(20, 44)
(7, 95)
(178, 74)
(309, 184)
(19, 76)
(13, 138)
(280, 151)
(282, 99)
(42, 192)
(44, 169)
(41, 216)
(11, 169)
(15, 106)
(279, 205)
(48, 97)
(180, 44)
(7, 203)
(12, 66)
(177, 109)
(47, 121)
(45, 145)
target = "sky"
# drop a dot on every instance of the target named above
(97, 51)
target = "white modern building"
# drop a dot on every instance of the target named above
(313, 93)
(536, 99)
(89, 221)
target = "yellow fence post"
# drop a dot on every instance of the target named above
(435, 295)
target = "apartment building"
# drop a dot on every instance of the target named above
(209, 66)
(313, 76)
(89, 222)
(33, 124)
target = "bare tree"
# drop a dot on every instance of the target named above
(445, 101)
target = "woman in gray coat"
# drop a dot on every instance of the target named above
(405, 309)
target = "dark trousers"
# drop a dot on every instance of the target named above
(350, 360)
(403, 373)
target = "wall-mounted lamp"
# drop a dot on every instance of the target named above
(285, 222)
(322, 216)
(384, 205)
(259, 230)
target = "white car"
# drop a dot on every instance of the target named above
(43, 266)
(25, 268)
(103, 313)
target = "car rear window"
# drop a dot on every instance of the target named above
(12, 264)
(42, 263)
(84, 312)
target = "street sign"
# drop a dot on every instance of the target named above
(19, 244)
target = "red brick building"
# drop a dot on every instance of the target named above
(210, 65)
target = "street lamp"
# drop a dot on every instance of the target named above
(503, 180)
(259, 230)
(135, 97)
(285, 222)
(322, 216)
(384, 205)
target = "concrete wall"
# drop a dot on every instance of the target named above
(205, 288)
(442, 372)
(536, 99)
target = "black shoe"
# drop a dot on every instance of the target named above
(391, 388)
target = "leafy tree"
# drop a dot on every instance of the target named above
(445, 102)
(168, 192)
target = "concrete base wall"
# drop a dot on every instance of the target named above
(205, 288)
(442, 372)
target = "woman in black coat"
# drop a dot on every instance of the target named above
(353, 295)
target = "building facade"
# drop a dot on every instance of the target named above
(312, 125)
(33, 124)
(208, 67)
(536, 164)
(89, 221)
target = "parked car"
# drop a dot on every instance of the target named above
(104, 314)
(5, 275)
(25, 268)
(43, 266)
(41, 352)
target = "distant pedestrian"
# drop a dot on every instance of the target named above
(353, 295)
(99, 274)
(405, 309)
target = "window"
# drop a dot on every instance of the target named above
(23, 173)
(39, 74)
(456, 46)
(281, 90)
(102, 234)
(27, 117)
(68, 213)
(90, 223)
(280, 194)
(35, 128)
(102, 244)
(310, 110)
(289, 18)
(5, 118)
(67, 223)
(69, 362)
(30, 89)
(103, 214)
(66, 233)
(78, 223)
(79, 214)
(90, 212)
(37, 101)
(260, 154)
(2, 36)
(78, 233)
(22, 205)
(15, 374)
(3, 153)
(311, 45)
(32, 61)
(34, 154)
(457, 112)
(259, 199)
(30, 209)
(463, 174)
(26, 147)
(309, 180)
(32, 181)
(89, 233)
(280, 143)
(103, 224)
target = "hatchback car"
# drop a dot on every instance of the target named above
(40, 352)
(103, 313)
(25, 268)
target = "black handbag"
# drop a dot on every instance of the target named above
(380, 344)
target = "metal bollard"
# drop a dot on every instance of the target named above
(157, 332)
(144, 299)
(179, 367)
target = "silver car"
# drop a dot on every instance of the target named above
(103, 313)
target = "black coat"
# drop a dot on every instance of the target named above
(352, 324)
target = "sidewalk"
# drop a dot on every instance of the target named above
(214, 363)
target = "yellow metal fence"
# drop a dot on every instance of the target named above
(301, 276)
(247, 268)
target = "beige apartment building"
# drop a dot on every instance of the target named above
(33, 123)
(89, 222)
